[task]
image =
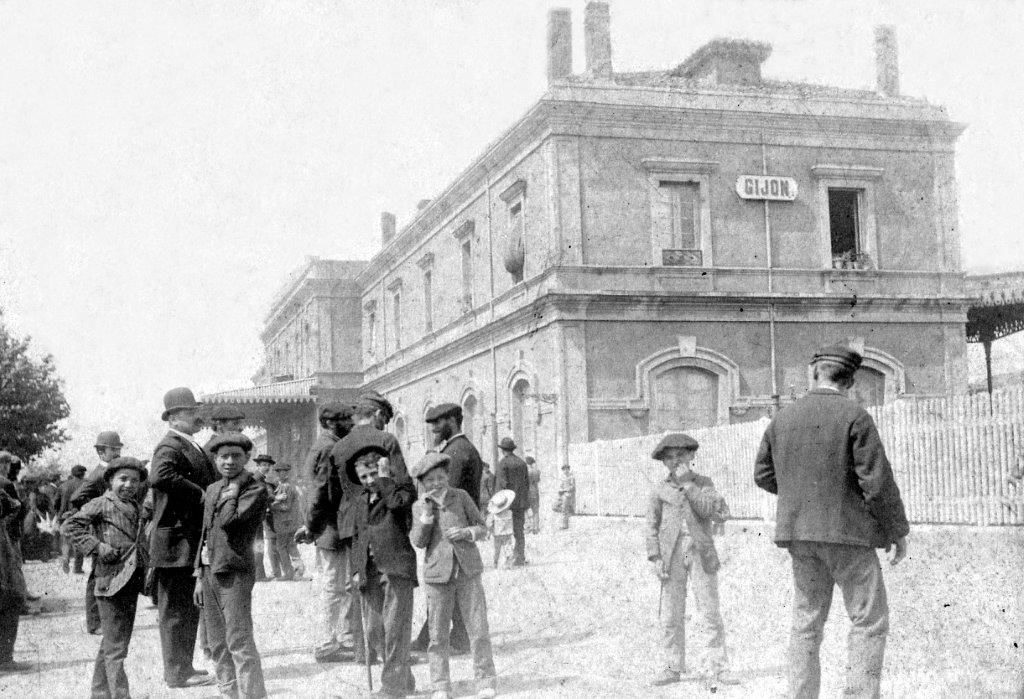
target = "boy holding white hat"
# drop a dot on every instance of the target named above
(499, 521)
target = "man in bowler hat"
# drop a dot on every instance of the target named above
(180, 472)
(513, 474)
(108, 447)
(837, 503)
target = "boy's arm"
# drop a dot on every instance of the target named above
(79, 528)
(477, 526)
(653, 526)
(704, 500)
(423, 522)
(398, 495)
(764, 467)
(243, 510)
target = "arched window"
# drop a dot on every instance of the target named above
(868, 387)
(520, 393)
(400, 432)
(469, 419)
(683, 397)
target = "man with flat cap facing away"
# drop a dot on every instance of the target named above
(224, 419)
(65, 509)
(374, 410)
(108, 447)
(837, 502)
(180, 472)
(513, 474)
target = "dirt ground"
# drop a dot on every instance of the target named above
(580, 621)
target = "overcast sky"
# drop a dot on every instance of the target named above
(165, 165)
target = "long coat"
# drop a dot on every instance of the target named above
(229, 526)
(513, 474)
(383, 529)
(317, 468)
(824, 459)
(466, 466)
(180, 472)
(676, 511)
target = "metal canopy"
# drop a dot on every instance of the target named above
(995, 311)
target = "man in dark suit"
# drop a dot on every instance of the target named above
(513, 474)
(180, 472)
(837, 502)
(65, 509)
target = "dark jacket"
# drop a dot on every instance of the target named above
(824, 459)
(179, 474)
(513, 474)
(230, 525)
(112, 522)
(466, 466)
(318, 469)
(89, 488)
(382, 529)
(65, 492)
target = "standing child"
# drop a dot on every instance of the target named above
(287, 514)
(566, 503)
(383, 562)
(233, 511)
(110, 529)
(680, 516)
(499, 522)
(447, 523)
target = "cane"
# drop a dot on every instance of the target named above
(366, 635)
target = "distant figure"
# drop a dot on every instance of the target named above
(533, 470)
(64, 510)
(566, 503)
(499, 522)
(12, 581)
(286, 511)
(512, 474)
(486, 486)
(263, 543)
(837, 502)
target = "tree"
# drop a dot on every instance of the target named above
(31, 398)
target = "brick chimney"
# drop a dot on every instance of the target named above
(598, 39)
(559, 44)
(387, 227)
(887, 69)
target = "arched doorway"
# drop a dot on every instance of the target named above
(868, 387)
(521, 401)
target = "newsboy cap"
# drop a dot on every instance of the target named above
(230, 439)
(676, 440)
(227, 412)
(121, 463)
(506, 444)
(178, 399)
(428, 463)
(439, 412)
(264, 458)
(109, 439)
(335, 411)
(375, 398)
(838, 354)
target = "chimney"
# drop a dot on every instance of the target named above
(387, 227)
(887, 69)
(559, 44)
(598, 39)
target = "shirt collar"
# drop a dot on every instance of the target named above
(186, 437)
(448, 441)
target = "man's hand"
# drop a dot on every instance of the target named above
(658, 568)
(384, 467)
(898, 552)
(302, 536)
(458, 534)
(197, 596)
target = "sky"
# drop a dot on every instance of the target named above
(165, 165)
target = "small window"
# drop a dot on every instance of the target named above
(396, 319)
(681, 214)
(371, 332)
(467, 275)
(428, 320)
(514, 257)
(844, 225)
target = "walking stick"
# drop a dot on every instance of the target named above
(366, 636)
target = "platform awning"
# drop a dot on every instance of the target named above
(996, 308)
(297, 391)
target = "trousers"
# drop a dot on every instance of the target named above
(92, 611)
(335, 630)
(387, 614)
(519, 532)
(227, 608)
(117, 620)
(817, 569)
(10, 612)
(467, 594)
(69, 554)
(179, 621)
(685, 565)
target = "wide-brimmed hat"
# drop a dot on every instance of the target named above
(439, 412)
(501, 501)
(676, 440)
(121, 463)
(180, 398)
(506, 444)
(109, 438)
(838, 354)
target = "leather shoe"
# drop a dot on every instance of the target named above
(193, 681)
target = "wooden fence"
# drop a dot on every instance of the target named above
(952, 458)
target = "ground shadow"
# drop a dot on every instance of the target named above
(539, 642)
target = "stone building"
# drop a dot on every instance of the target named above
(644, 251)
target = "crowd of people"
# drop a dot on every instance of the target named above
(191, 530)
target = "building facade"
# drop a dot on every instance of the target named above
(661, 250)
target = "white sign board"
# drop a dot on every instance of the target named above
(768, 187)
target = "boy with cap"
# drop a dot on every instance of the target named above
(499, 521)
(680, 517)
(233, 510)
(566, 503)
(446, 523)
(261, 467)
(286, 513)
(383, 562)
(110, 529)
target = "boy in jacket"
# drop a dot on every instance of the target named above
(110, 529)
(682, 511)
(384, 563)
(446, 523)
(233, 511)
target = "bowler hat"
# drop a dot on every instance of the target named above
(227, 412)
(109, 439)
(428, 463)
(335, 411)
(439, 412)
(121, 463)
(501, 501)
(265, 458)
(676, 440)
(838, 354)
(506, 444)
(178, 399)
(375, 398)
(229, 439)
